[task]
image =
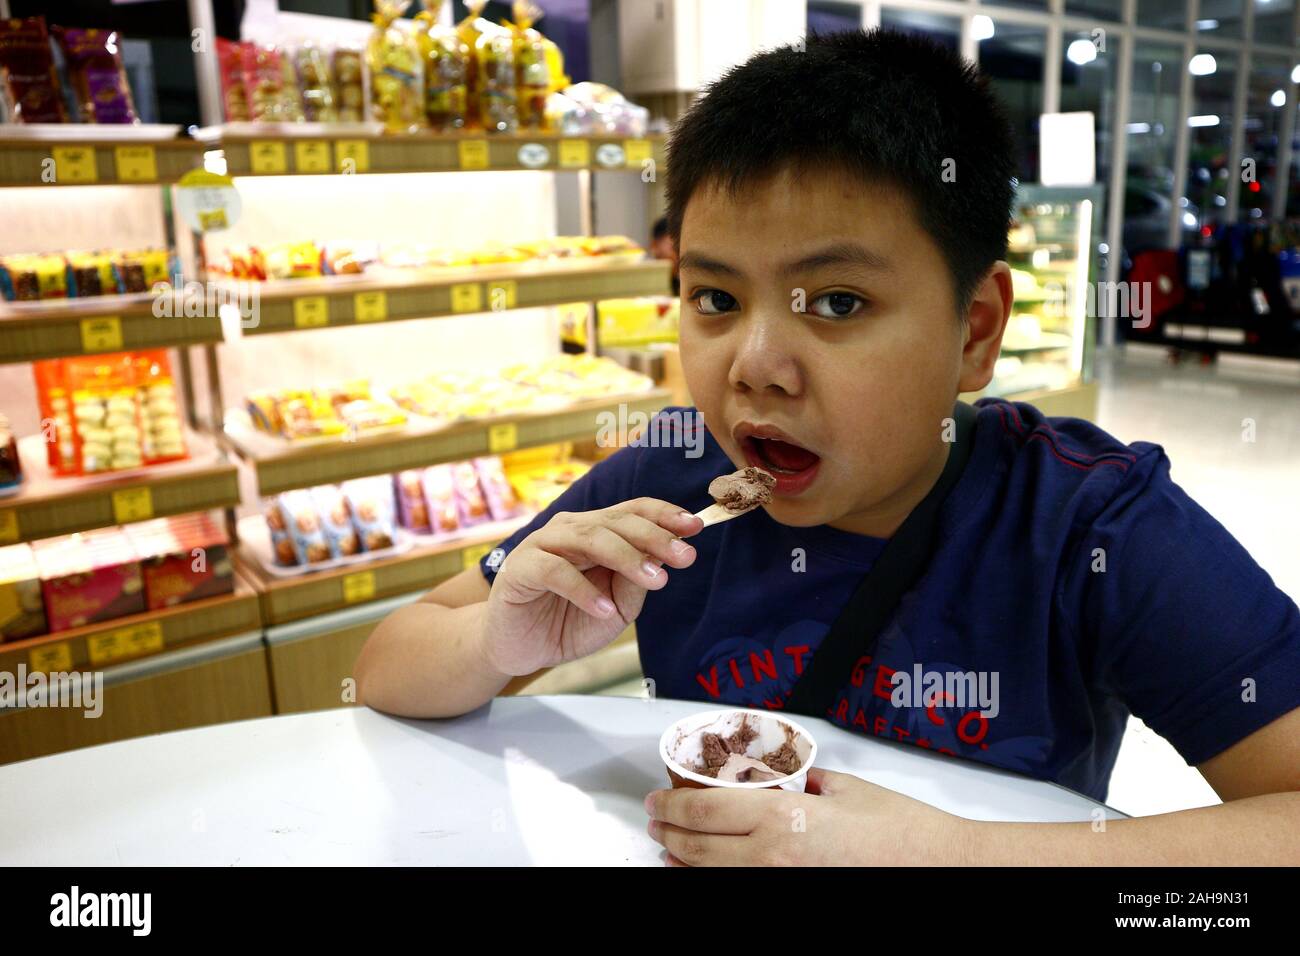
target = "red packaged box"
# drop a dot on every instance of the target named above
(182, 559)
(88, 578)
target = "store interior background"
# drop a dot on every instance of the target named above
(1181, 94)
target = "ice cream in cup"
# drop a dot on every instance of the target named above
(742, 749)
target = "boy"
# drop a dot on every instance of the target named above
(838, 293)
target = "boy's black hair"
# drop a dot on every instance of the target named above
(883, 106)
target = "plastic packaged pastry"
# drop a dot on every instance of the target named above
(230, 68)
(440, 495)
(336, 520)
(498, 494)
(162, 437)
(396, 74)
(11, 468)
(314, 85)
(371, 501)
(28, 81)
(535, 56)
(97, 76)
(412, 509)
(281, 544)
(304, 527)
(22, 611)
(349, 84)
(469, 495)
(270, 98)
(447, 64)
(494, 52)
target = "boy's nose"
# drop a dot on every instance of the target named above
(764, 358)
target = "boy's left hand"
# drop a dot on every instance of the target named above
(841, 820)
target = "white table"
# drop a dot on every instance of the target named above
(546, 780)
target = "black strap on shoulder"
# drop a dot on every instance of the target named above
(871, 606)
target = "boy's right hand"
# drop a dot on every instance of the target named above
(574, 584)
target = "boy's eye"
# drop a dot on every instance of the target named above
(714, 302)
(836, 305)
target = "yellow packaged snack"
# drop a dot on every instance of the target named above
(469, 31)
(314, 84)
(497, 99)
(447, 63)
(539, 66)
(396, 74)
(92, 274)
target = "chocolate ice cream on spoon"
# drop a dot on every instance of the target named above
(737, 493)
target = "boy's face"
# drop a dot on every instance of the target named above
(843, 401)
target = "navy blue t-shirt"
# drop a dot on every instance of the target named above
(1068, 564)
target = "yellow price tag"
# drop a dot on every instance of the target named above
(637, 151)
(469, 557)
(8, 527)
(50, 657)
(359, 586)
(502, 294)
(574, 153)
(311, 156)
(267, 159)
(132, 504)
(101, 334)
(473, 153)
(503, 437)
(74, 164)
(352, 156)
(467, 297)
(125, 642)
(136, 164)
(311, 312)
(213, 219)
(370, 306)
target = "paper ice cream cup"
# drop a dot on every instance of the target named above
(682, 749)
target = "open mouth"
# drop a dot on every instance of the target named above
(793, 466)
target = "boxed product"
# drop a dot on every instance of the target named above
(22, 612)
(336, 520)
(29, 278)
(182, 559)
(11, 468)
(90, 577)
(440, 496)
(373, 514)
(28, 81)
(97, 75)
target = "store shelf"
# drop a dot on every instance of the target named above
(140, 635)
(48, 505)
(57, 328)
(323, 592)
(80, 155)
(297, 305)
(309, 149)
(281, 466)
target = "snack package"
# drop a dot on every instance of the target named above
(412, 510)
(314, 85)
(371, 503)
(468, 30)
(230, 67)
(11, 469)
(303, 525)
(292, 260)
(142, 269)
(91, 273)
(182, 559)
(447, 64)
(494, 51)
(336, 520)
(396, 73)
(28, 81)
(469, 495)
(349, 258)
(22, 612)
(500, 497)
(440, 496)
(28, 278)
(537, 487)
(270, 98)
(534, 56)
(349, 85)
(282, 548)
(162, 437)
(97, 75)
(90, 577)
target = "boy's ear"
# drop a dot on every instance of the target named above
(986, 320)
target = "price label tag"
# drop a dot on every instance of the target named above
(370, 306)
(469, 557)
(267, 159)
(136, 164)
(8, 527)
(467, 297)
(125, 642)
(352, 156)
(636, 151)
(503, 437)
(311, 312)
(574, 153)
(101, 334)
(502, 294)
(473, 153)
(50, 657)
(132, 504)
(74, 164)
(311, 156)
(359, 586)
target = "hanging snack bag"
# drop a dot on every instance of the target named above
(396, 75)
(98, 78)
(28, 81)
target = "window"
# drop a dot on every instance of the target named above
(1152, 139)
(942, 29)
(1012, 57)
(1101, 9)
(1273, 21)
(1220, 18)
(1266, 99)
(1210, 136)
(828, 17)
(1164, 14)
